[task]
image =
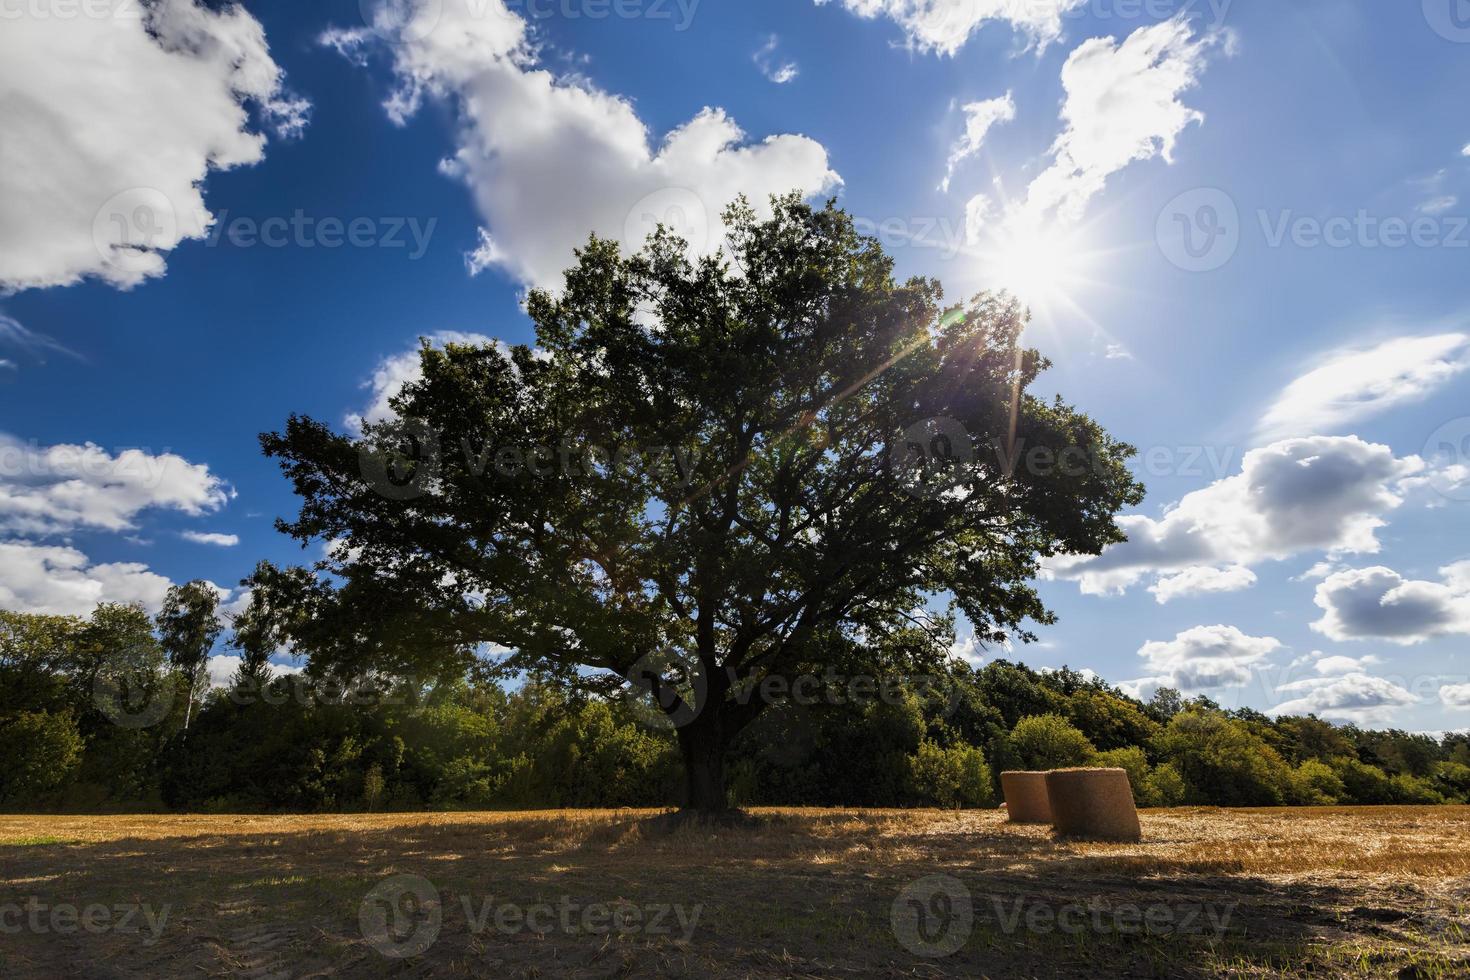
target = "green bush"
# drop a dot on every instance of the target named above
(1363, 785)
(1165, 787)
(1314, 783)
(1050, 742)
(42, 751)
(953, 777)
(1414, 790)
(1452, 779)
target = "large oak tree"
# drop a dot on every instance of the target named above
(707, 474)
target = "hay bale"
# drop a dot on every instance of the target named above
(1093, 804)
(1026, 797)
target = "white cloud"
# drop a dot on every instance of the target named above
(1353, 697)
(221, 669)
(1336, 665)
(1357, 383)
(779, 71)
(551, 158)
(1328, 665)
(63, 581)
(232, 605)
(1455, 696)
(211, 538)
(978, 212)
(1439, 205)
(980, 117)
(1117, 352)
(1204, 657)
(1326, 493)
(969, 651)
(15, 335)
(1380, 604)
(1121, 106)
(486, 255)
(943, 26)
(1319, 570)
(397, 370)
(1087, 673)
(1200, 580)
(1142, 688)
(52, 489)
(1457, 576)
(111, 125)
(1444, 479)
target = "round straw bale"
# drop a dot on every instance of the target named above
(1093, 804)
(1026, 797)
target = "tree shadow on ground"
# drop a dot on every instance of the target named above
(815, 893)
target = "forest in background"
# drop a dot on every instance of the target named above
(93, 713)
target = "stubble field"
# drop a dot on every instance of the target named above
(1327, 892)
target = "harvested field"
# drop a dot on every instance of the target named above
(801, 893)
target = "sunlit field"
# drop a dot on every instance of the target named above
(801, 893)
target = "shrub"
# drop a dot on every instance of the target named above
(1050, 742)
(1313, 783)
(1363, 785)
(1408, 789)
(42, 751)
(952, 777)
(1165, 787)
(1452, 779)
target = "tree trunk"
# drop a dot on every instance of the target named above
(702, 746)
(189, 705)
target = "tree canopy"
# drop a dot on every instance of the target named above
(706, 474)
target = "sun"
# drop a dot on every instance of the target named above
(1050, 260)
(1044, 265)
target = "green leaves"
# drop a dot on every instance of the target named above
(188, 624)
(773, 519)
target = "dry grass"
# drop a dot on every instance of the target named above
(1312, 892)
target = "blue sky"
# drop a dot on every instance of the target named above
(1314, 153)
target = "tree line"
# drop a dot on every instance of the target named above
(111, 712)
